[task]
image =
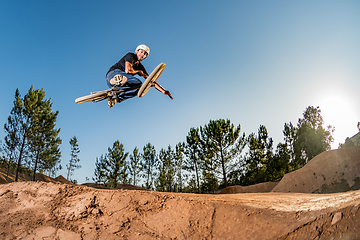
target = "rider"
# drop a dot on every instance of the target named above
(121, 75)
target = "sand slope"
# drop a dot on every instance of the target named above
(256, 188)
(37, 210)
(58, 209)
(329, 172)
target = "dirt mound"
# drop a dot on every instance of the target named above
(130, 187)
(44, 178)
(49, 210)
(2, 179)
(329, 172)
(120, 186)
(61, 179)
(9, 176)
(38, 210)
(94, 185)
(257, 188)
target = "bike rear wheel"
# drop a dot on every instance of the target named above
(96, 96)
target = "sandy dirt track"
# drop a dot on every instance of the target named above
(51, 210)
(35, 210)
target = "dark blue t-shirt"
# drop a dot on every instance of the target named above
(132, 59)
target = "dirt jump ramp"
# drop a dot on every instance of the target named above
(329, 172)
(256, 188)
(38, 210)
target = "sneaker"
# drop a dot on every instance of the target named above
(111, 102)
(118, 80)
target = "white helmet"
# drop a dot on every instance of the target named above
(143, 47)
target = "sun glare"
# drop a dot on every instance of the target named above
(338, 111)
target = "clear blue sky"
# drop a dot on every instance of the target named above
(253, 62)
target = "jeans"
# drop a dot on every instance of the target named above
(130, 88)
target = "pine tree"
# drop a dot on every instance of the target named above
(312, 138)
(259, 157)
(115, 164)
(9, 148)
(166, 170)
(289, 138)
(23, 123)
(226, 141)
(136, 165)
(74, 159)
(16, 129)
(209, 165)
(193, 153)
(100, 170)
(179, 164)
(43, 138)
(149, 160)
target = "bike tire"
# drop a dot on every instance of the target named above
(153, 77)
(92, 97)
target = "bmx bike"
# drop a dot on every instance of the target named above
(109, 93)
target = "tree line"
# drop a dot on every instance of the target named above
(215, 156)
(32, 143)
